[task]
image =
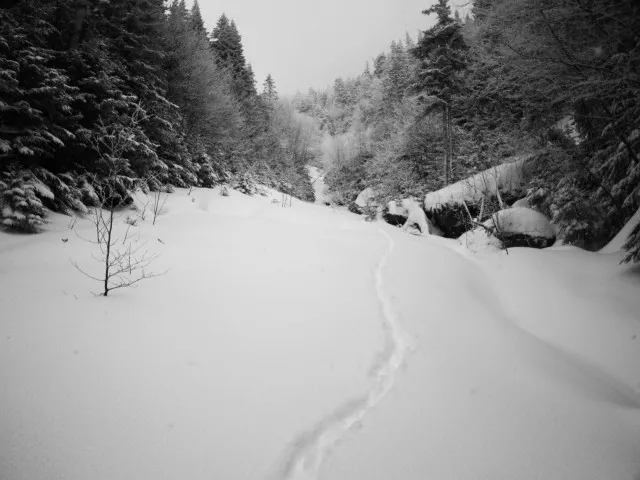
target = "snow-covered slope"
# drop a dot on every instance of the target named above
(306, 343)
(616, 244)
(525, 366)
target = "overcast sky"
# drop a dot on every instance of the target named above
(309, 43)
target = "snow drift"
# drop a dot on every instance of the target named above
(275, 332)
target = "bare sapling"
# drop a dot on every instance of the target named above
(142, 210)
(158, 199)
(124, 264)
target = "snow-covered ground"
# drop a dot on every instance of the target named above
(319, 187)
(306, 343)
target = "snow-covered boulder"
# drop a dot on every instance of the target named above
(512, 227)
(521, 227)
(522, 202)
(365, 198)
(446, 207)
(365, 203)
(395, 214)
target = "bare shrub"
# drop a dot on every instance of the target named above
(123, 266)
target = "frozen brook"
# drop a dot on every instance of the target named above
(303, 343)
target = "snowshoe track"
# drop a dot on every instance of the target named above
(310, 449)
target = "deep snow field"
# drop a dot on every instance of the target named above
(305, 343)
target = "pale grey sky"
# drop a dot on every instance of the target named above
(305, 43)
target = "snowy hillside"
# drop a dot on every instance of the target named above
(305, 343)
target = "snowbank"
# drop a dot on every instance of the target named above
(525, 367)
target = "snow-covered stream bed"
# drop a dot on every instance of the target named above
(304, 343)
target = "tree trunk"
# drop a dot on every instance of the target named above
(446, 145)
(450, 131)
(78, 24)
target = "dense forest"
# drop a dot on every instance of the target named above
(98, 98)
(557, 81)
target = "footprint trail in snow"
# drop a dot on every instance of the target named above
(311, 448)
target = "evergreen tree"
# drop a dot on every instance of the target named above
(378, 65)
(197, 85)
(367, 70)
(269, 92)
(35, 95)
(580, 60)
(397, 76)
(197, 23)
(442, 53)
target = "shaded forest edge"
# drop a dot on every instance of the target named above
(555, 81)
(99, 98)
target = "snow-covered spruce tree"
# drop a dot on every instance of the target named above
(442, 53)
(21, 203)
(226, 44)
(199, 87)
(575, 60)
(35, 95)
(397, 75)
(269, 92)
(196, 21)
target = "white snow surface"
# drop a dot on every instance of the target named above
(522, 220)
(416, 216)
(319, 187)
(506, 176)
(479, 240)
(305, 343)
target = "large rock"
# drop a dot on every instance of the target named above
(365, 198)
(365, 203)
(395, 214)
(522, 202)
(452, 218)
(521, 227)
